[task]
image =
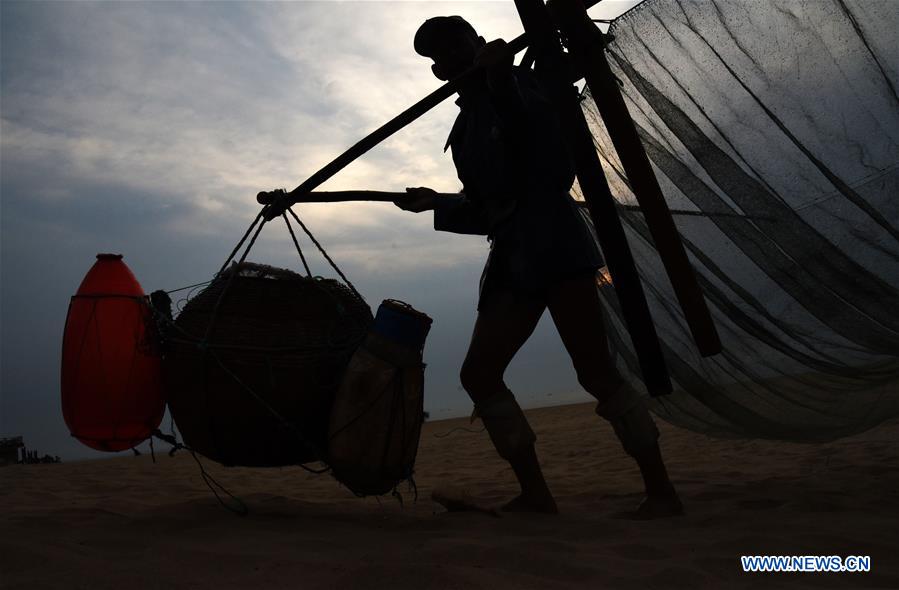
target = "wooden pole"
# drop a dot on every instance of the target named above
(600, 202)
(277, 202)
(587, 48)
(389, 197)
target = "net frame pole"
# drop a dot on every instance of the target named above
(586, 45)
(543, 37)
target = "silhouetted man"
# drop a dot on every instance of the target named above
(516, 173)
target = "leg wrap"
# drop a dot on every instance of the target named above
(630, 419)
(505, 423)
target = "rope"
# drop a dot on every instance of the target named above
(325, 254)
(179, 305)
(240, 243)
(252, 243)
(454, 430)
(189, 287)
(368, 408)
(231, 277)
(239, 508)
(203, 346)
(413, 487)
(274, 413)
(297, 244)
(398, 496)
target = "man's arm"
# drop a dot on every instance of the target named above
(502, 84)
(456, 213)
(459, 215)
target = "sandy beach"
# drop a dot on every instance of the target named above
(126, 522)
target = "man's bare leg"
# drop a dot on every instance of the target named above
(535, 495)
(577, 313)
(504, 323)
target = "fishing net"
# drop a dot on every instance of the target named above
(774, 132)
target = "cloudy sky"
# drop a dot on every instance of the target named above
(147, 128)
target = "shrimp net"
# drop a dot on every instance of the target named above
(774, 131)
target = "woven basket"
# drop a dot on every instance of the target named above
(256, 388)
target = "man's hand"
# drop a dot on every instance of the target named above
(495, 57)
(497, 61)
(417, 199)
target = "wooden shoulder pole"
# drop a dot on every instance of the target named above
(389, 197)
(600, 202)
(372, 139)
(587, 48)
(378, 135)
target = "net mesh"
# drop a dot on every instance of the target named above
(778, 125)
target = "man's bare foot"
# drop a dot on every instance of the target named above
(542, 505)
(459, 500)
(659, 505)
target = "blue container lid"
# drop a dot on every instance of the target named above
(401, 323)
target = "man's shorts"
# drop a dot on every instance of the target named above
(546, 240)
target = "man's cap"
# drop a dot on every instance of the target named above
(433, 30)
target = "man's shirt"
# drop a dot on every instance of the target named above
(506, 147)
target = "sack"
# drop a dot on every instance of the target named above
(378, 410)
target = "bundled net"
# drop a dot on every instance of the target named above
(774, 132)
(255, 360)
(378, 411)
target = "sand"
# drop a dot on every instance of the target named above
(126, 522)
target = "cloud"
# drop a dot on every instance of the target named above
(147, 128)
(213, 107)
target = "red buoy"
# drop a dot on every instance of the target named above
(112, 396)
